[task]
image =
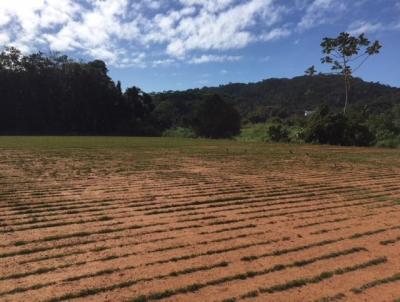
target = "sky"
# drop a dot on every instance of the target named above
(160, 45)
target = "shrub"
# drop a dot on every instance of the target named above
(325, 127)
(179, 132)
(214, 118)
(278, 132)
(389, 143)
(254, 133)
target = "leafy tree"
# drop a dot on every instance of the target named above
(278, 132)
(53, 94)
(260, 114)
(311, 71)
(285, 98)
(11, 59)
(326, 127)
(346, 54)
(214, 118)
(396, 116)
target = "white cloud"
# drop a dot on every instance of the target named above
(159, 32)
(319, 12)
(117, 30)
(214, 58)
(275, 34)
(162, 62)
(265, 59)
(359, 27)
(211, 28)
(4, 39)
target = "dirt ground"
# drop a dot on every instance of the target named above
(214, 223)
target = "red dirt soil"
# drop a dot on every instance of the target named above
(191, 231)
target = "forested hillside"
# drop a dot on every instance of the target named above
(54, 94)
(256, 102)
(303, 109)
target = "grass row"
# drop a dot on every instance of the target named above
(54, 268)
(317, 244)
(335, 298)
(93, 291)
(243, 276)
(296, 283)
(375, 283)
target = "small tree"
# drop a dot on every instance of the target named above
(311, 71)
(326, 127)
(215, 118)
(346, 54)
(278, 132)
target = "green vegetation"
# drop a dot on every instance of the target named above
(252, 274)
(394, 278)
(79, 98)
(334, 298)
(199, 206)
(97, 290)
(321, 277)
(215, 118)
(346, 54)
(179, 132)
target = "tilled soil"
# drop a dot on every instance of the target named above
(216, 226)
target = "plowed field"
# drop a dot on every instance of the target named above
(135, 219)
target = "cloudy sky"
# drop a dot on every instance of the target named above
(178, 44)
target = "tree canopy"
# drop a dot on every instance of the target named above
(56, 95)
(346, 54)
(215, 118)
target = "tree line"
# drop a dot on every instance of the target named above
(54, 94)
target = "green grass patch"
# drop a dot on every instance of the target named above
(375, 283)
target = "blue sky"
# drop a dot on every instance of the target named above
(178, 44)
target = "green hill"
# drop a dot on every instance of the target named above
(284, 98)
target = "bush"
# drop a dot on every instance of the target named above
(389, 143)
(278, 132)
(179, 132)
(325, 127)
(214, 118)
(296, 134)
(254, 133)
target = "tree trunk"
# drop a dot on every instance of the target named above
(347, 95)
(347, 91)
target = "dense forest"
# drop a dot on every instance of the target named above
(257, 102)
(54, 94)
(302, 109)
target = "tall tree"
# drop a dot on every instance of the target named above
(311, 71)
(214, 118)
(346, 54)
(53, 94)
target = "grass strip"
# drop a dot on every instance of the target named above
(93, 291)
(291, 250)
(334, 298)
(243, 276)
(296, 283)
(375, 283)
(390, 241)
(317, 244)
